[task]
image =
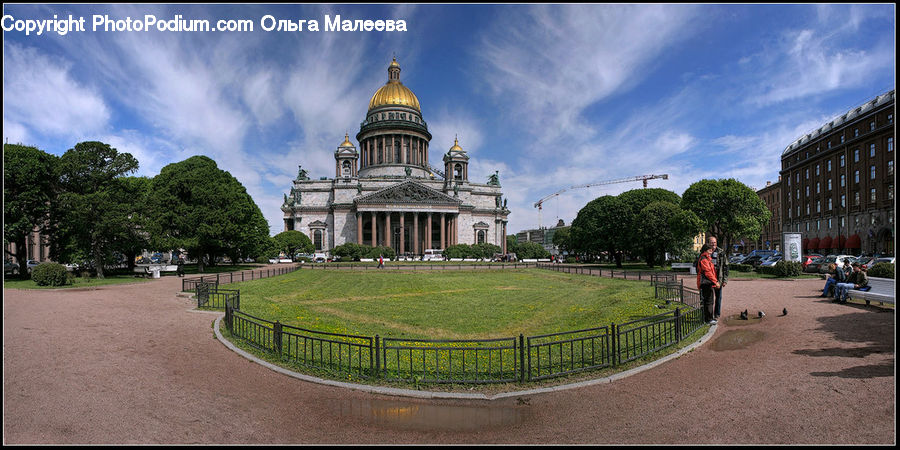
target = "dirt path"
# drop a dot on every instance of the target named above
(132, 364)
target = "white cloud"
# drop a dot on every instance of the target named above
(40, 95)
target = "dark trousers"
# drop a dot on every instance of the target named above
(708, 302)
(718, 309)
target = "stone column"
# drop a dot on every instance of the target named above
(402, 231)
(503, 243)
(416, 233)
(443, 231)
(428, 232)
(374, 229)
(387, 229)
(359, 228)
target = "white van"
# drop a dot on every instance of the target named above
(433, 254)
(320, 257)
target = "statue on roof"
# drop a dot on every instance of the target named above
(494, 180)
(408, 171)
(301, 173)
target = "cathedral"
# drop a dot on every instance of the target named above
(386, 192)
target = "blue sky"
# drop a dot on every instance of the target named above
(550, 96)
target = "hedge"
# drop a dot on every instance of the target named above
(50, 274)
(882, 270)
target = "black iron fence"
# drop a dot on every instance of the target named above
(190, 284)
(503, 360)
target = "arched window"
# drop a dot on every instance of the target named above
(480, 238)
(457, 172)
(317, 239)
(345, 168)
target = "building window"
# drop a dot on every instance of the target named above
(842, 160)
(871, 150)
(807, 226)
(818, 186)
(872, 195)
(829, 143)
(856, 132)
(843, 201)
(872, 126)
(890, 192)
(843, 183)
(817, 170)
(856, 176)
(818, 206)
(829, 184)
(890, 167)
(798, 194)
(829, 223)
(317, 239)
(856, 198)
(798, 210)
(890, 118)
(842, 138)
(872, 173)
(856, 155)
(807, 191)
(818, 224)
(807, 173)
(890, 144)
(481, 236)
(807, 209)
(828, 165)
(829, 206)
(842, 225)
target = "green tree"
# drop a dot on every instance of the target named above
(511, 243)
(292, 242)
(598, 228)
(28, 191)
(663, 227)
(196, 206)
(134, 239)
(635, 201)
(727, 208)
(94, 209)
(531, 250)
(561, 238)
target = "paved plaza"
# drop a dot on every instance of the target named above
(134, 364)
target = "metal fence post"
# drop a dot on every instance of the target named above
(678, 324)
(276, 336)
(377, 358)
(228, 317)
(615, 347)
(521, 357)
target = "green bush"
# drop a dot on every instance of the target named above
(882, 270)
(50, 274)
(741, 267)
(375, 252)
(767, 270)
(351, 251)
(788, 268)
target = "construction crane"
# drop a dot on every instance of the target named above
(643, 178)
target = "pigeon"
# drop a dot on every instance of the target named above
(744, 315)
(761, 314)
(784, 312)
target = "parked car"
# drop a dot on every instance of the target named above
(836, 259)
(10, 267)
(807, 259)
(873, 261)
(770, 261)
(31, 264)
(813, 266)
(736, 259)
(753, 260)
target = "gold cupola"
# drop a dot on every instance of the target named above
(346, 142)
(394, 92)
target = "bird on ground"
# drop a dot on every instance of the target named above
(761, 314)
(784, 312)
(744, 315)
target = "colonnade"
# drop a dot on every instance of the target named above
(415, 231)
(383, 149)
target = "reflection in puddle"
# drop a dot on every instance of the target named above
(431, 417)
(736, 339)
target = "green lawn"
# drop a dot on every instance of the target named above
(446, 304)
(80, 282)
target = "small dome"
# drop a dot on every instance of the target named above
(456, 147)
(346, 142)
(394, 92)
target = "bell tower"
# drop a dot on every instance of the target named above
(345, 158)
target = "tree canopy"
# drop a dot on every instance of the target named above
(95, 204)
(728, 209)
(197, 206)
(28, 191)
(292, 242)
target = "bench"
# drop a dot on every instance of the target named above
(882, 291)
(689, 266)
(149, 269)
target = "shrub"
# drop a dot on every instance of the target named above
(788, 268)
(768, 270)
(375, 252)
(50, 274)
(740, 267)
(351, 251)
(882, 270)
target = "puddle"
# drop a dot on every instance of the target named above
(736, 320)
(427, 417)
(736, 339)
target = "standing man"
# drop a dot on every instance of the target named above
(720, 261)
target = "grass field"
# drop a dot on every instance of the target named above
(446, 304)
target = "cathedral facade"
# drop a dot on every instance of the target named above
(386, 192)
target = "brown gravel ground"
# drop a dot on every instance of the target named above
(132, 364)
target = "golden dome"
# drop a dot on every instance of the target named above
(346, 142)
(394, 92)
(456, 147)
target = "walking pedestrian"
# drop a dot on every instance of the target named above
(720, 262)
(180, 269)
(706, 282)
(381, 261)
